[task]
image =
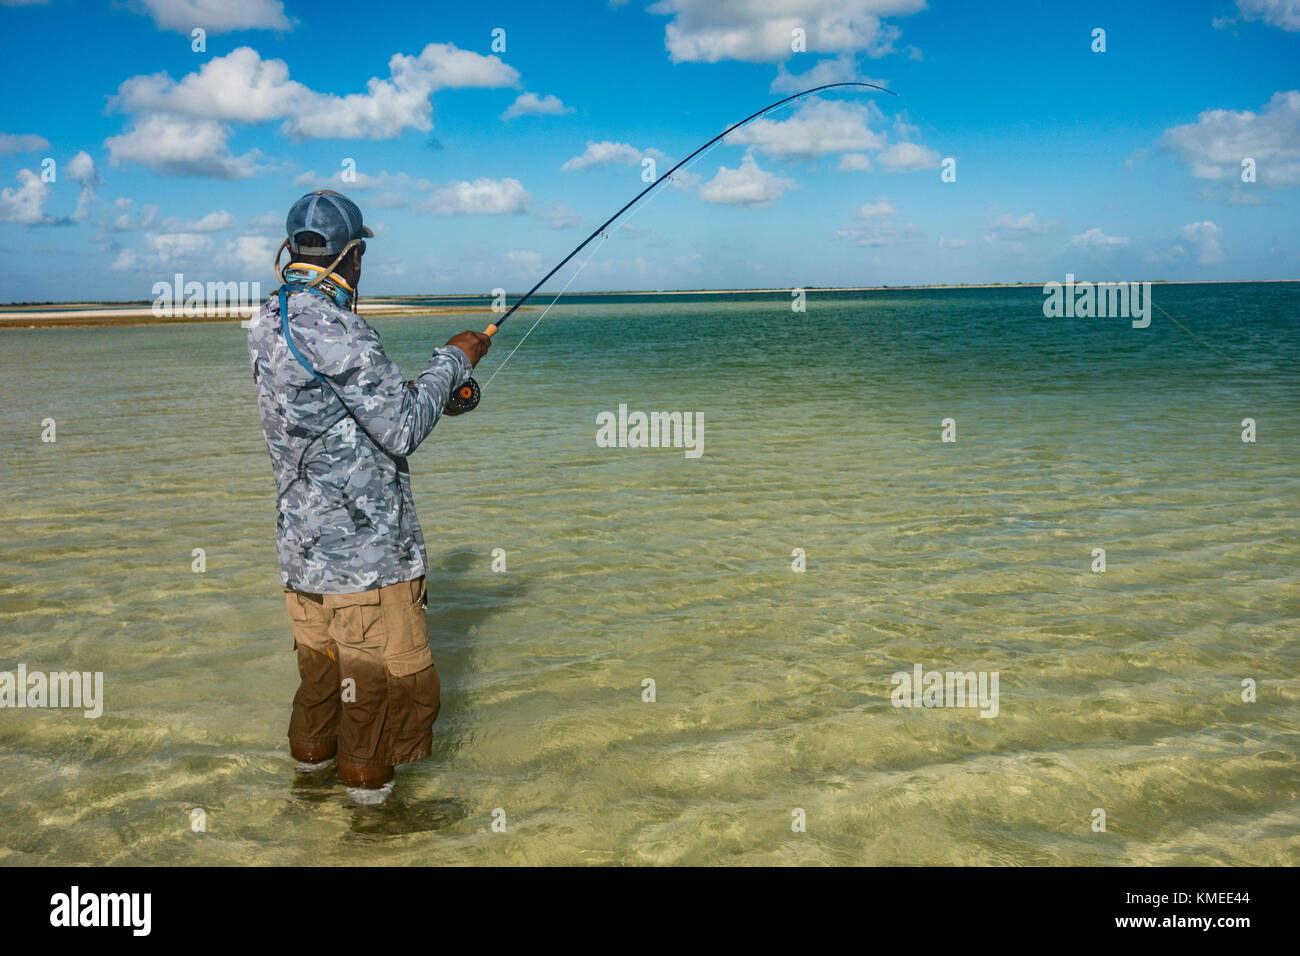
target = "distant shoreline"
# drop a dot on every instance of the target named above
(101, 314)
(56, 315)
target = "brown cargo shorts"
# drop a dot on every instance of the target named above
(368, 678)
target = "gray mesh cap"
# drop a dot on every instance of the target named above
(330, 214)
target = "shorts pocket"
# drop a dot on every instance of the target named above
(297, 612)
(407, 649)
(406, 663)
(308, 620)
(358, 618)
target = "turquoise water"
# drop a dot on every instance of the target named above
(1119, 690)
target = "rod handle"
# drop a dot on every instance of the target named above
(491, 330)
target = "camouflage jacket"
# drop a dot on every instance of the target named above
(346, 520)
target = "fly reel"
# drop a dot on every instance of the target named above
(464, 399)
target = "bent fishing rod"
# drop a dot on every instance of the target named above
(466, 398)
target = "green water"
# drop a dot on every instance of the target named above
(1120, 691)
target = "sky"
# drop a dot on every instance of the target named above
(483, 141)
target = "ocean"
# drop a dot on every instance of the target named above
(1161, 691)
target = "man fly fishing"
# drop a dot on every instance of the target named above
(340, 420)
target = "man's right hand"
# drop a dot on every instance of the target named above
(473, 344)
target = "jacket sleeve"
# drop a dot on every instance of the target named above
(347, 352)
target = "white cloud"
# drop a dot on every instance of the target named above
(1204, 238)
(854, 162)
(396, 189)
(530, 104)
(82, 212)
(876, 234)
(760, 31)
(482, 197)
(1215, 145)
(1235, 194)
(840, 69)
(124, 222)
(170, 247)
(243, 255)
(215, 16)
(401, 102)
(1284, 14)
(876, 225)
(745, 186)
(905, 130)
(603, 153)
(268, 223)
(26, 204)
(952, 243)
(81, 169)
(1007, 231)
(526, 259)
(238, 86)
(180, 127)
(906, 157)
(212, 222)
(560, 215)
(358, 183)
(1008, 225)
(251, 254)
(22, 143)
(1094, 240)
(180, 147)
(819, 127)
(685, 181)
(881, 208)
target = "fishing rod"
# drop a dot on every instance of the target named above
(466, 398)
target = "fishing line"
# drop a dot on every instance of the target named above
(466, 398)
(940, 134)
(547, 309)
(605, 237)
(1193, 334)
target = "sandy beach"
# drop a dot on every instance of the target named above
(88, 314)
(74, 315)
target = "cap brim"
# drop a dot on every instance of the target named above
(365, 231)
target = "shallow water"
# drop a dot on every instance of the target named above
(1119, 691)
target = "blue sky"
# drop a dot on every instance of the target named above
(480, 169)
